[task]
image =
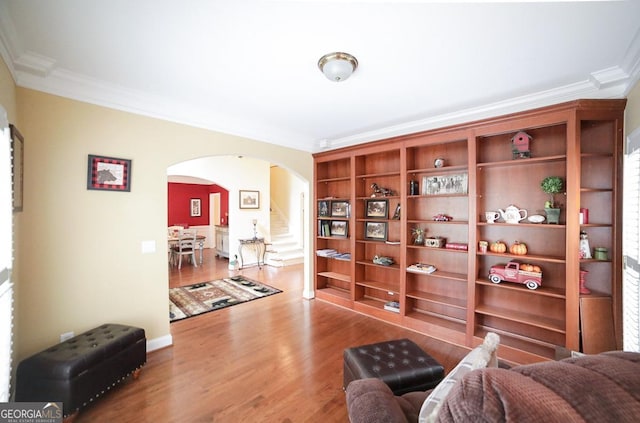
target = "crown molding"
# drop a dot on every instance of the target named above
(609, 83)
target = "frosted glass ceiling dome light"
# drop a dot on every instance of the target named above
(337, 66)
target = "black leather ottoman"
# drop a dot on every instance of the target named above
(82, 368)
(401, 364)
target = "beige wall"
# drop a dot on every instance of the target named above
(632, 112)
(8, 93)
(80, 260)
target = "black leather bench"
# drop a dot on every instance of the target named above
(79, 370)
(400, 363)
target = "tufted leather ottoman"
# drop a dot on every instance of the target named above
(82, 368)
(401, 364)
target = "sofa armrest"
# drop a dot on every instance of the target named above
(371, 400)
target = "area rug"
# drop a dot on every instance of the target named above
(192, 300)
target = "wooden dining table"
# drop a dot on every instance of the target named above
(172, 240)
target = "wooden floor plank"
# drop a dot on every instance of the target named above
(276, 359)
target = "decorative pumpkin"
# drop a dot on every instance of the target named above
(498, 247)
(526, 267)
(536, 269)
(518, 249)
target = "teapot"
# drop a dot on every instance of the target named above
(513, 214)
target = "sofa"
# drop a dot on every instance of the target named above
(593, 388)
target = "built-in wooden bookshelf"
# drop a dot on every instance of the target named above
(580, 141)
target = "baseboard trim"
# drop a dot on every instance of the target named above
(158, 343)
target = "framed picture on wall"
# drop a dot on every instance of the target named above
(108, 173)
(249, 199)
(196, 207)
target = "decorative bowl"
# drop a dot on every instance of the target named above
(536, 218)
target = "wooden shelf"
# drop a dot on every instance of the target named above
(337, 276)
(544, 291)
(540, 321)
(439, 299)
(523, 162)
(527, 257)
(442, 274)
(380, 266)
(381, 286)
(437, 171)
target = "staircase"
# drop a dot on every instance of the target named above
(285, 249)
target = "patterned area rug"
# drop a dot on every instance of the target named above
(192, 300)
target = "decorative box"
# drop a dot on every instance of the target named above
(435, 241)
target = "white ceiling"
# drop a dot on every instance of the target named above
(249, 67)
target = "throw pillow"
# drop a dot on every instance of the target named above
(480, 357)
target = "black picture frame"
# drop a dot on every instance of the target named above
(324, 208)
(339, 208)
(108, 173)
(17, 168)
(377, 209)
(195, 207)
(375, 231)
(339, 228)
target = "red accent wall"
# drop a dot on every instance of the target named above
(179, 207)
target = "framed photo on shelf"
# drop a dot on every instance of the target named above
(445, 184)
(249, 199)
(108, 173)
(376, 231)
(377, 209)
(196, 207)
(17, 162)
(339, 228)
(324, 208)
(339, 209)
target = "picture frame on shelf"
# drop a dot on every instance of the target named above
(249, 199)
(324, 208)
(457, 183)
(339, 209)
(339, 228)
(195, 207)
(377, 209)
(17, 162)
(375, 231)
(108, 173)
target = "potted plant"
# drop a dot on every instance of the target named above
(552, 185)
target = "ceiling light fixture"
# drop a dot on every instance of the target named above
(337, 66)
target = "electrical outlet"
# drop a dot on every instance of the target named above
(66, 335)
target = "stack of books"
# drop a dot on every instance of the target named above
(392, 306)
(331, 253)
(421, 268)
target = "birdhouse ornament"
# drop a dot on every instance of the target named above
(520, 145)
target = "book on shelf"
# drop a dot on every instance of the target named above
(421, 268)
(392, 306)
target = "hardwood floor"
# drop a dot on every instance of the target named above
(277, 359)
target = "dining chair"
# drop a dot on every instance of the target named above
(186, 246)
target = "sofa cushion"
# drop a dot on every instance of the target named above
(598, 388)
(480, 357)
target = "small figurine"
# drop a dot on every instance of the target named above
(378, 190)
(520, 145)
